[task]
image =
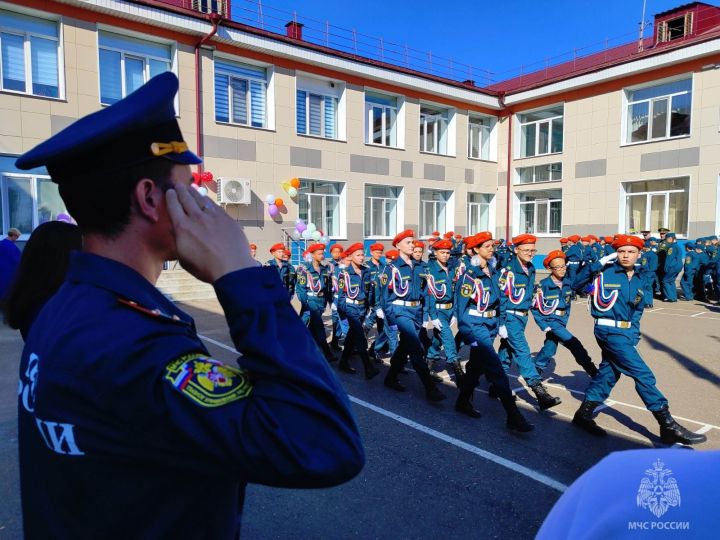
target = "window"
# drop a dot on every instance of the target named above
(240, 94)
(317, 114)
(319, 203)
(381, 211)
(479, 129)
(658, 112)
(676, 28)
(540, 212)
(381, 119)
(541, 132)
(478, 211)
(539, 173)
(126, 63)
(652, 204)
(434, 129)
(434, 212)
(28, 201)
(29, 55)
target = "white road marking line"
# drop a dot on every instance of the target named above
(503, 462)
(518, 389)
(654, 310)
(704, 429)
(697, 314)
(608, 403)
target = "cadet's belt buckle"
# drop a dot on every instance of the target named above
(624, 324)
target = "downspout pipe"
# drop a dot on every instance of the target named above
(214, 19)
(501, 98)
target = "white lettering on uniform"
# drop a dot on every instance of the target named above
(59, 437)
(28, 390)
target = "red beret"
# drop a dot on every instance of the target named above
(392, 254)
(436, 233)
(497, 242)
(626, 240)
(277, 246)
(458, 237)
(592, 236)
(608, 239)
(442, 244)
(563, 240)
(574, 238)
(287, 253)
(418, 243)
(586, 238)
(336, 246)
(448, 234)
(352, 249)
(377, 247)
(253, 246)
(478, 239)
(407, 233)
(316, 247)
(555, 254)
(524, 239)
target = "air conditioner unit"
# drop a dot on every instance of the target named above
(233, 191)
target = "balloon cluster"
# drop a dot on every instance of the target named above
(308, 231)
(199, 178)
(291, 187)
(274, 205)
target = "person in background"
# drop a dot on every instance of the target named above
(690, 268)
(42, 269)
(702, 262)
(253, 250)
(336, 253)
(418, 252)
(563, 244)
(375, 266)
(284, 269)
(672, 265)
(575, 256)
(648, 272)
(292, 273)
(9, 260)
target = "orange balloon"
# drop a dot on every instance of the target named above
(279, 202)
(295, 182)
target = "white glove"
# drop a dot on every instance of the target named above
(546, 330)
(502, 332)
(608, 258)
(437, 323)
(333, 307)
(453, 321)
(379, 313)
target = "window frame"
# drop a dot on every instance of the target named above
(34, 179)
(534, 168)
(547, 201)
(342, 226)
(386, 110)
(324, 97)
(490, 212)
(625, 196)
(27, 52)
(443, 118)
(490, 127)
(399, 210)
(549, 121)
(449, 211)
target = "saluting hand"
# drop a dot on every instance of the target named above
(209, 243)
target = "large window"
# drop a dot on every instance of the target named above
(434, 211)
(317, 114)
(478, 212)
(540, 211)
(658, 112)
(381, 211)
(126, 63)
(652, 204)
(240, 94)
(539, 173)
(319, 203)
(434, 123)
(479, 128)
(27, 201)
(29, 55)
(381, 119)
(541, 132)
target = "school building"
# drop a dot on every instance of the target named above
(624, 139)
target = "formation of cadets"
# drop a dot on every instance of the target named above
(486, 289)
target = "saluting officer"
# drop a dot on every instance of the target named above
(354, 284)
(517, 283)
(283, 268)
(551, 311)
(479, 311)
(617, 305)
(128, 427)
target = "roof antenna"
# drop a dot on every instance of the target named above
(642, 29)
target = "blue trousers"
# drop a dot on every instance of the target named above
(560, 334)
(687, 283)
(409, 323)
(669, 289)
(355, 339)
(443, 338)
(649, 288)
(620, 357)
(483, 358)
(311, 314)
(516, 348)
(385, 336)
(337, 331)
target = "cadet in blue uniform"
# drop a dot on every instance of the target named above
(673, 264)
(551, 311)
(336, 251)
(648, 272)
(702, 262)
(380, 301)
(575, 256)
(440, 291)
(292, 273)
(128, 428)
(479, 311)
(517, 283)
(283, 268)
(375, 266)
(404, 309)
(617, 304)
(313, 290)
(354, 284)
(690, 268)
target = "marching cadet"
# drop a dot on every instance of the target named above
(404, 310)
(672, 265)
(617, 305)
(418, 252)
(375, 266)
(563, 244)
(575, 256)
(284, 268)
(440, 294)
(479, 311)
(390, 330)
(551, 311)
(314, 287)
(702, 262)
(253, 250)
(648, 272)
(292, 278)
(517, 282)
(122, 411)
(690, 268)
(336, 253)
(355, 286)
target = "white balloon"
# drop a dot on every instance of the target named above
(196, 187)
(311, 227)
(306, 234)
(316, 235)
(295, 235)
(292, 192)
(270, 199)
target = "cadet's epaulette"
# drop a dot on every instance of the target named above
(154, 313)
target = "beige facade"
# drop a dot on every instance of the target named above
(598, 163)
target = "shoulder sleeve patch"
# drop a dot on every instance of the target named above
(207, 382)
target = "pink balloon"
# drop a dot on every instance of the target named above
(273, 210)
(300, 227)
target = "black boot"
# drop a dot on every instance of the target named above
(584, 418)
(391, 380)
(458, 372)
(431, 391)
(545, 400)
(492, 393)
(335, 344)
(464, 405)
(671, 432)
(581, 356)
(373, 356)
(329, 356)
(515, 420)
(591, 369)
(345, 366)
(370, 369)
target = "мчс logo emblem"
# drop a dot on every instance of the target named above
(658, 491)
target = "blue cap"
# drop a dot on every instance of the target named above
(138, 128)
(670, 235)
(690, 245)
